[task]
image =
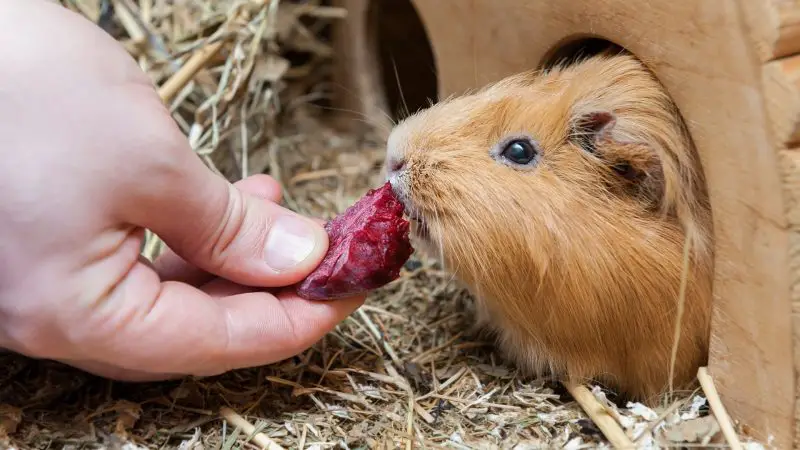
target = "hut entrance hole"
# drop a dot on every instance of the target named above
(407, 69)
(576, 48)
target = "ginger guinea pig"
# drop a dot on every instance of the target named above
(563, 199)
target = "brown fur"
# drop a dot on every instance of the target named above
(577, 269)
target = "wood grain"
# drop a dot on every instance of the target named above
(781, 89)
(790, 166)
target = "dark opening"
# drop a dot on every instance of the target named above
(405, 57)
(577, 48)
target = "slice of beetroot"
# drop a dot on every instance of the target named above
(368, 244)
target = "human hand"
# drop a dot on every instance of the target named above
(91, 157)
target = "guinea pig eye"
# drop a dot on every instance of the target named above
(517, 152)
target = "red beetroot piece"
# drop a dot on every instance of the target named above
(368, 244)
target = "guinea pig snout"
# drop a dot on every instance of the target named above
(395, 164)
(399, 181)
(400, 188)
(395, 173)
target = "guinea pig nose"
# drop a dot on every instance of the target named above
(396, 164)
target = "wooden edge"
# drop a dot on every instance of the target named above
(788, 42)
(790, 72)
(359, 94)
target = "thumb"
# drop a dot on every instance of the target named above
(217, 227)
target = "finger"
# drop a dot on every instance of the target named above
(210, 223)
(117, 373)
(172, 267)
(305, 322)
(291, 325)
(175, 328)
(220, 287)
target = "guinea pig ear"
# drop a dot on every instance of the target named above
(588, 129)
(634, 168)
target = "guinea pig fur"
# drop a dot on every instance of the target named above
(563, 199)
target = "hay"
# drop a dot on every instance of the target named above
(405, 371)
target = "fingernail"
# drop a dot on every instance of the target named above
(291, 241)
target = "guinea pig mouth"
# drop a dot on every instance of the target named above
(412, 215)
(420, 227)
(422, 231)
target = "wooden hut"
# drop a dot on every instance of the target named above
(732, 67)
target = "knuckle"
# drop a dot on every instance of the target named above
(224, 235)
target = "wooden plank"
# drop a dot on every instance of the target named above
(790, 165)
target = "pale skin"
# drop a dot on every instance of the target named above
(91, 158)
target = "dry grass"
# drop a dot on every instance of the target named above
(405, 371)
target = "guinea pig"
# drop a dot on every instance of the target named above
(563, 199)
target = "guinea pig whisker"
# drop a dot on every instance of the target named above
(439, 241)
